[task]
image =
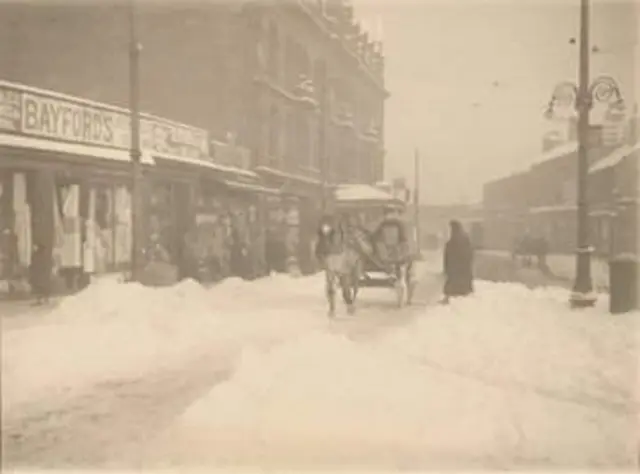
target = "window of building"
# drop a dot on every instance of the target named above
(274, 49)
(274, 134)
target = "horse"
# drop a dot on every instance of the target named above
(393, 255)
(338, 251)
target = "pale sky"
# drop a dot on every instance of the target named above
(470, 79)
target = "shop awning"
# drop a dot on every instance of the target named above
(249, 187)
(206, 164)
(363, 194)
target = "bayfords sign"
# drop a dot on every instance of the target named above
(58, 118)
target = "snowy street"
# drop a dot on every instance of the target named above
(254, 374)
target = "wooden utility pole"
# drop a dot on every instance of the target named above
(322, 138)
(416, 196)
(137, 212)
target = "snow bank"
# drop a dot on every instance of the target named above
(114, 330)
(325, 400)
(507, 378)
(510, 334)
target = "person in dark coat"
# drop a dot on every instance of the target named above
(458, 263)
(40, 273)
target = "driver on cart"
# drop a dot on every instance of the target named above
(390, 238)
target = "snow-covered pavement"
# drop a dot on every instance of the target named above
(254, 374)
(506, 379)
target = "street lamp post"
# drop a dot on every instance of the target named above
(603, 89)
(322, 139)
(135, 152)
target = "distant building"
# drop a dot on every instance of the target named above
(542, 198)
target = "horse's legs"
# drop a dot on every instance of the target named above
(400, 284)
(330, 291)
(346, 284)
(410, 282)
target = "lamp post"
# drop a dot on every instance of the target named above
(322, 139)
(135, 152)
(416, 197)
(603, 89)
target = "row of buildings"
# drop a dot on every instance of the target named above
(248, 107)
(541, 200)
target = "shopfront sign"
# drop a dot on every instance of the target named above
(228, 154)
(10, 110)
(63, 119)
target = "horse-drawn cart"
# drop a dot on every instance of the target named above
(386, 245)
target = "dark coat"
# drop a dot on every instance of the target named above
(458, 264)
(40, 271)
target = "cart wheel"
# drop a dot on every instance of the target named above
(411, 285)
(401, 287)
(400, 292)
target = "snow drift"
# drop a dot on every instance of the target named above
(506, 378)
(112, 331)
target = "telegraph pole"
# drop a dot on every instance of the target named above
(322, 138)
(416, 195)
(137, 214)
(582, 295)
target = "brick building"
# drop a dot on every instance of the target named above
(238, 67)
(296, 87)
(542, 198)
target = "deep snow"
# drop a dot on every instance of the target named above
(113, 331)
(507, 378)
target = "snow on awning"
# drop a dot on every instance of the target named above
(206, 164)
(614, 157)
(250, 187)
(284, 175)
(547, 209)
(77, 149)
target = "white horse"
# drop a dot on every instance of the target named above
(342, 264)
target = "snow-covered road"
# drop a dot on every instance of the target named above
(98, 402)
(254, 374)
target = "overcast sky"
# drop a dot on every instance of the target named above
(469, 81)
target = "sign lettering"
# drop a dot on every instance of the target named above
(76, 123)
(37, 114)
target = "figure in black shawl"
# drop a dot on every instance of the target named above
(458, 263)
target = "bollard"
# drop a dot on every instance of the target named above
(623, 284)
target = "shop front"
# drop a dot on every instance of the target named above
(231, 237)
(60, 216)
(65, 184)
(292, 221)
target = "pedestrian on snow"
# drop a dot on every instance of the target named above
(458, 263)
(40, 273)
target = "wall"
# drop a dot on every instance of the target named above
(188, 70)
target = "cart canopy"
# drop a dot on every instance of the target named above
(364, 195)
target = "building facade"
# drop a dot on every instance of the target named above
(297, 84)
(541, 200)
